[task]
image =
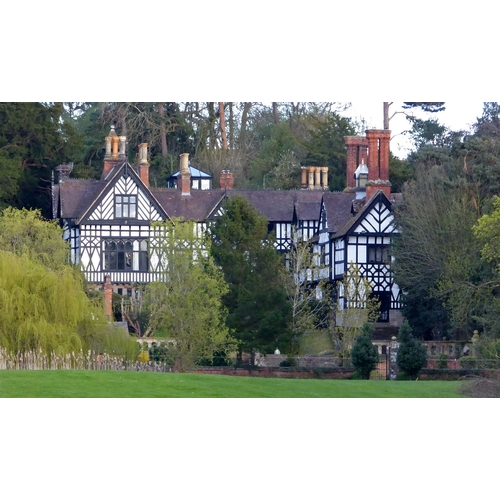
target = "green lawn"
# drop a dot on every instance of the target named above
(110, 384)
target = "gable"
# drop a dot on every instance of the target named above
(378, 219)
(124, 197)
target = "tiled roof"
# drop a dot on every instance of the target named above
(278, 205)
(349, 223)
(77, 195)
(197, 206)
(338, 209)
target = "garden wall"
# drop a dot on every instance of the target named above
(277, 372)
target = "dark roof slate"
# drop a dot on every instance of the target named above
(77, 195)
(196, 207)
(338, 209)
(350, 223)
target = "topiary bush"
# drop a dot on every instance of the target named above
(412, 355)
(442, 362)
(364, 355)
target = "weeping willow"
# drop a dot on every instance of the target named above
(45, 310)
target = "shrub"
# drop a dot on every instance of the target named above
(143, 357)
(468, 363)
(288, 362)
(412, 356)
(442, 362)
(159, 353)
(364, 354)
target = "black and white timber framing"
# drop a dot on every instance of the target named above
(109, 226)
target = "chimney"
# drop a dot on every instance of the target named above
(108, 298)
(143, 163)
(324, 172)
(112, 157)
(63, 171)
(378, 162)
(304, 177)
(226, 180)
(356, 155)
(317, 178)
(184, 178)
(122, 151)
(310, 177)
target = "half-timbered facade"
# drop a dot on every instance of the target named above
(109, 223)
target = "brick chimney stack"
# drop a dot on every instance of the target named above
(108, 298)
(357, 153)
(184, 178)
(378, 162)
(143, 163)
(226, 180)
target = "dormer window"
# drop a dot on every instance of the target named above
(125, 206)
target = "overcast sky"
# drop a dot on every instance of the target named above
(458, 115)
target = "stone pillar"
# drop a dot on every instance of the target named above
(393, 354)
(310, 183)
(108, 298)
(122, 151)
(108, 147)
(184, 179)
(317, 178)
(324, 172)
(304, 177)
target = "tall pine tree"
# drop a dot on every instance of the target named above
(259, 313)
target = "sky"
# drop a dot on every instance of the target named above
(458, 115)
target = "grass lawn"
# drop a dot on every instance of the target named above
(111, 384)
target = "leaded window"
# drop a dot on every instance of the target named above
(125, 206)
(126, 255)
(379, 254)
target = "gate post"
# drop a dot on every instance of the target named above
(393, 354)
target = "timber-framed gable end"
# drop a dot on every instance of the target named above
(124, 200)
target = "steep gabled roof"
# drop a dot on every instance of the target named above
(76, 195)
(123, 169)
(351, 223)
(338, 209)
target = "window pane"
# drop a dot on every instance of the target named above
(120, 261)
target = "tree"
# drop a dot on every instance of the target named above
(186, 306)
(364, 355)
(46, 309)
(308, 294)
(34, 138)
(258, 310)
(326, 148)
(429, 107)
(355, 307)
(26, 232)
(412, 356)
